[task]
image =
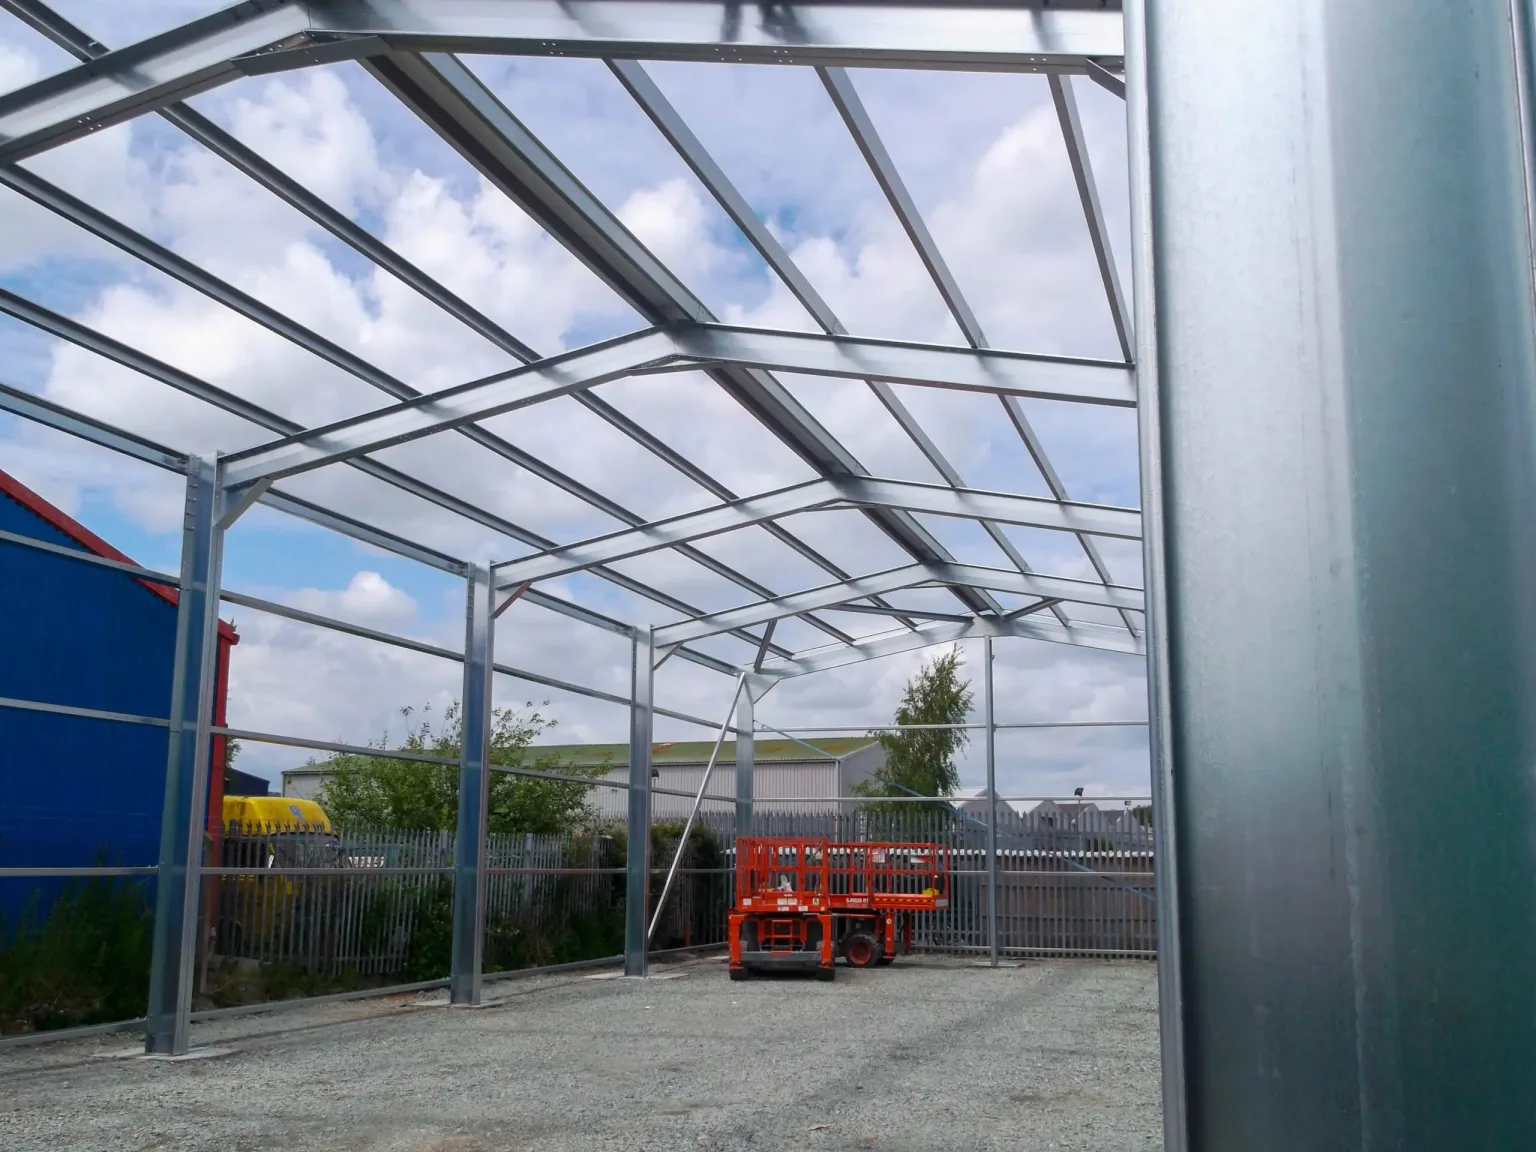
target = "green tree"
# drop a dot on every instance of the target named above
(231, 750)
(380, 791)
(922, 761)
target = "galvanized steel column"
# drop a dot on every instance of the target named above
(991, 734)
(474, 790)
(184, 813)
(638, 859)
(1342, 373)
(746, 758)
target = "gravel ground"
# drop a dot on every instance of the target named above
(928, 1055)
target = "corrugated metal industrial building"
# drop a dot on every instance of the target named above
(76, 789)
(782, 768)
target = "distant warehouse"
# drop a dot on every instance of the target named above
(79, 789)
(783, 769)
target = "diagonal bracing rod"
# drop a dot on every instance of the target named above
(693, 813)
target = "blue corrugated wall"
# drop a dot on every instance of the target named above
(73, 790)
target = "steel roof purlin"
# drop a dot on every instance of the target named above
(407, 46)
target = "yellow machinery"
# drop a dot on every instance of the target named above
(260, 916)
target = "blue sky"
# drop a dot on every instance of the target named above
(983, 159)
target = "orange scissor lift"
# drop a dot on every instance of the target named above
(802, 902)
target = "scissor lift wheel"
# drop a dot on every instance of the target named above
(861, 950)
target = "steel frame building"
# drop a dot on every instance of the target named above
(1312, 266)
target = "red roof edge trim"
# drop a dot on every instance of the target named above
(80, 534)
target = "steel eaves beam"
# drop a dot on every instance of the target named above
(1028, 628)
(455, 104)
(270, 35)
(896, 579)
(950, 35)
(841, 491)
(51, 415)
(152, 73)
(59, 418)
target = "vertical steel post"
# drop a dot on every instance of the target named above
(1346, 392)
(1165, 862)
(184, 813)
(993, 943)
(637, 896)
(746, 758)
(474, 790)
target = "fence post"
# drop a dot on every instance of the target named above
(637, 891)
(474, 787)
(991, 732)
(184, 814)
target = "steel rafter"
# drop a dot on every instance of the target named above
(671, 125)
(683, 347)
(161, 258)
(823, 495)
(222, 144)
(1081, 635)
(846, 99)
(76, 41)
(185, 59)
(840, 594)
(467, 115)
(119, 353)
(1093, 214)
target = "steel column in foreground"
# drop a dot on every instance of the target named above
(474, 790)
(637, 896)
(1346, 390)
(185, 811)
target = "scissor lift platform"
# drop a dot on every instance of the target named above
(802, 902)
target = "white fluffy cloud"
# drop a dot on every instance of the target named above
(1005, 214)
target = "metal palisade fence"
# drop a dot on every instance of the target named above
(1072, 882)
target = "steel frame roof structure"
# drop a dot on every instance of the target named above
(1332, 218)
(408, 46)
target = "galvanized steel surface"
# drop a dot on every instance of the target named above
(1345, 357)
